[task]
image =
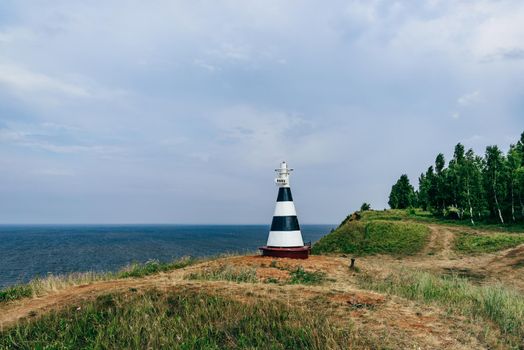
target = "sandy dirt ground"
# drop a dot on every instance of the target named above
(405, 324)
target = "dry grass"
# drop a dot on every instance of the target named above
(181, 321)
(493, 304)
(52, 283)
(226, 272)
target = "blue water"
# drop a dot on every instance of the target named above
(36, 250)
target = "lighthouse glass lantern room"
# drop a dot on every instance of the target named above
(285, 238)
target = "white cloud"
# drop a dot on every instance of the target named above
(469, 99)
(501, 32)
(353, 85)
(32, 140)
(265, 137)
(54, 172)
(203, 64)
(24, 80)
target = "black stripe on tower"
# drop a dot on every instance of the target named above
(285, 223)
(284, 195)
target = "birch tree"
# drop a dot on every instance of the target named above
(493, 179)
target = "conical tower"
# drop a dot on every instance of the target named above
(285, 238)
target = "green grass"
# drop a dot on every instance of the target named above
(179, 320)
(15, 292)
(301, 276)
(225, 273)
(421, 216)
(493, 303)
(42, 285)
(249, 275)
(153, 266)
(476, 244)
(375, 236)
(483, 225)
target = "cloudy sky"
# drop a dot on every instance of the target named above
(178, 111)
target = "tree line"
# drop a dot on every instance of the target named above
(473, 187)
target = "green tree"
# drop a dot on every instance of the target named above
(474, 198)
(494, 181)
(423, 192)
(456, 180)
(520, 189)
(519, 175)
(442, 194)
(365, 206)
(402, 194)
(514, 160)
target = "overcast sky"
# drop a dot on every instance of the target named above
(179, 111)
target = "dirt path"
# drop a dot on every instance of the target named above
(440, 243)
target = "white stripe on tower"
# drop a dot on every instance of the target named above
(285, 209)
(287, 239)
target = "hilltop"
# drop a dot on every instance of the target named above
(419, 282)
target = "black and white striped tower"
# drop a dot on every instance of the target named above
(285, 238)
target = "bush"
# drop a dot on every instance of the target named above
(15, 292)
(154, 266)
(365, 207)
(301, 276)
(452, 213)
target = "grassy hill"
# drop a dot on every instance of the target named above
(367, 233)
(419, 283)
(406, 232)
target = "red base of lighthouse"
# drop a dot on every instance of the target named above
(293, 253)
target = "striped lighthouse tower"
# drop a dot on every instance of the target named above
(285, 238)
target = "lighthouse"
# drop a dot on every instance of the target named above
(285, 238)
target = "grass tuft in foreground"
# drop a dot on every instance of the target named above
(179, 320)
(225, 273)
(249, 275)
(154, 266)
(301, 276)
(493, 303)
(476, 244)
(15, 292)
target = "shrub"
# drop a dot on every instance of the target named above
(301, 276)
(15, 292)
(153, 266)
(365, 207)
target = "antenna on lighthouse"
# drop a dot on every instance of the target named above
(285, 238)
